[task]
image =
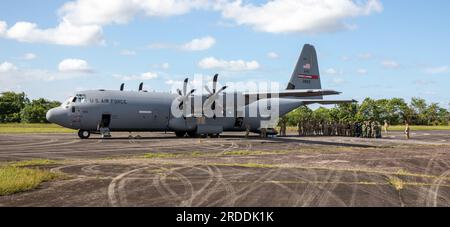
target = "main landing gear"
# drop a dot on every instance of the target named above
(180, 134)
(84, 134)
(193, 134)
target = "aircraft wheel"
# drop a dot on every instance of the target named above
(84, 134)
(180, 134)
(192, 134)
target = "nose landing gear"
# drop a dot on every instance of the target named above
(84, 134)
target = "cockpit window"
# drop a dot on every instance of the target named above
(67, 102)
(80, 98)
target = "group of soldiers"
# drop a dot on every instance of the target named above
(366, 129)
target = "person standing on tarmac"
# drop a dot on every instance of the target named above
(379, 135)
(247, 130)
(407, 131)
(263, 133)
(283, 126)
(364, 129)
(299, 128)
(386, 127)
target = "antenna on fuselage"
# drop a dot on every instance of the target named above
(122, 87)
(141, 86)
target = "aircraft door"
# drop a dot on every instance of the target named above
(106, 121)
(75, 117)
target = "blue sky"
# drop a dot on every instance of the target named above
(373, 48)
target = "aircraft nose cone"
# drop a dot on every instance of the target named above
(56, 115)
(50, 115)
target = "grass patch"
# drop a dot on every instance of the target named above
(15, 179)
(160, 155)
(33, 163)
(397, 183)
(247, 165)
(256, 153)
(194, 154)
(197, 154)
(242, 153)
(15, 128)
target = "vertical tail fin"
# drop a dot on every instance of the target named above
(306, 74)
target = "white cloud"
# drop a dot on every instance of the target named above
(172, 82)
(64, 34)
(122, 11)
(29, 56)
(272, 55)
(304, 16)
(345, 58)
(161, 46)
(11, 75)
(3, 27)
(128, 53)
(199, 44)
(143, 76)
(338, 81)
(81, 21)
(7, 67)
(437, 70)
(424, 82)
(365, 56)
(165, 65)
(74, 66)
(235, 65)
(362, 71)
(331, 71)
(389, 64)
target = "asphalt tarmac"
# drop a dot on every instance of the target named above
(290, 171)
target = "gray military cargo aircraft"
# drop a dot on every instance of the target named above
(105, 111)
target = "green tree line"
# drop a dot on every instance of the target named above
(395, 111)
(17, 108)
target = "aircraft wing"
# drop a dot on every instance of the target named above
(292, 93)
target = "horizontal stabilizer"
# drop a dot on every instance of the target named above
(293, 93)
(328, 102)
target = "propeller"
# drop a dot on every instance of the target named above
(184, 95)
(214, 94)
(122, 87)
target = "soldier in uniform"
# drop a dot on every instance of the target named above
(333, 129)
(348, 132)
(263, 133)
(308, 128)
(407, 131)
(283, 125)
(247, 130)
(386, 127)
(358, 129)
(339, 128)
(328, 128)
(379, 135)
(352, 129)
(374, 129)
(364, 129)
